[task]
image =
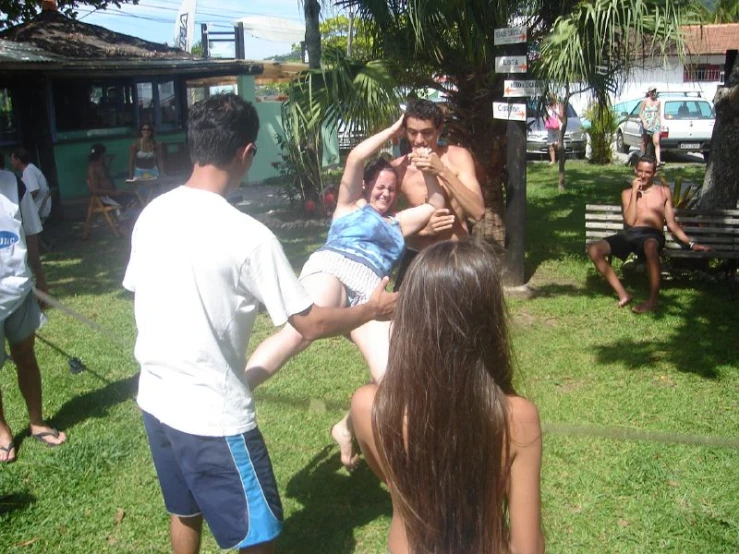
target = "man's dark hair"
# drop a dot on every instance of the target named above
(23, 155)
(97, 151)
(419, 108)
(646, 158)
(218, 126)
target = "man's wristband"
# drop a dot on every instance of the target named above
(690, 245)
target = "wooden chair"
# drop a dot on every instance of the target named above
(96, 206)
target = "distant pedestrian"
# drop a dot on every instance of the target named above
(651, 123)
(553, 123)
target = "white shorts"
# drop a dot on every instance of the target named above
(358, 279)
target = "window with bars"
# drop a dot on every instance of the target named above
(702, 73)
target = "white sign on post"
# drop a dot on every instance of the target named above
(511, 112)
(511, 64)
(522, 88)
(509, 35)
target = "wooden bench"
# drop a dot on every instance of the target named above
(718, 229)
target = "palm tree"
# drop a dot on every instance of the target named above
(454, 39)
(342, 89)
(598, 43)
(312, 13)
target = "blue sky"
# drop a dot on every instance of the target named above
(154, 20)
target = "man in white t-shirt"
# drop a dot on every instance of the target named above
(20, 314)
(199, 269)
(34, 180)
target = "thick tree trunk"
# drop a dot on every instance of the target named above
(561, 149)
(473, 127)
(721, 183)
(312, 12)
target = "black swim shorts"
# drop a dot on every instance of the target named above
(632, 241)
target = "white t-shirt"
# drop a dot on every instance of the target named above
(17, 220)
(200, 268)
(35, 181)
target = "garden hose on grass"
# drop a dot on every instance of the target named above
(76, 365)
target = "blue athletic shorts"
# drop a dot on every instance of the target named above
(21, 324)
(229, 480)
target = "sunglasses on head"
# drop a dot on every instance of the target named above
(253, 150)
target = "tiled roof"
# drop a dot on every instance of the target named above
(711, 39)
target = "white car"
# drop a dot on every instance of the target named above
(687, 124)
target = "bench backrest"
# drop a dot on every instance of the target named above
(718, 229)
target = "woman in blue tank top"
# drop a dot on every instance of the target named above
(363, 244)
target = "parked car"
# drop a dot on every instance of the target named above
(687, 124)
(536, 134)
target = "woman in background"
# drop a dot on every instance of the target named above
(145, 161)
(651, 123)
(553, 124)
(459, 450)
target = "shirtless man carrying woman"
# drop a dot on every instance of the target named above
(365, 240)
(647, 207)
(451, 166)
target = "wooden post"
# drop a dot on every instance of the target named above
(515, 214)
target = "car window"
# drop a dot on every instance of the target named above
(636, 110)
(688, 109)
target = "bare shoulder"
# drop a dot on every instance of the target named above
(525, 422)
(458, 153)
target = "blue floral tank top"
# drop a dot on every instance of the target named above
(364, 236)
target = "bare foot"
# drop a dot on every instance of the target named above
(647, 306)
(623, 301)
(341, 434)
(48, 435)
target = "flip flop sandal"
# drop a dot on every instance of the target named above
(7, 449)
(41, 437)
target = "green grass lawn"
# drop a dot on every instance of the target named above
(586, 364)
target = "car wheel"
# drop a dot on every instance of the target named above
(621, 145)
(706, 155)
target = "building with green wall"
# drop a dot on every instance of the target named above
(66, 85)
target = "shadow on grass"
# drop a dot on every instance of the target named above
(15, 502)
(95, 404)
(333, 505)
(702, 340)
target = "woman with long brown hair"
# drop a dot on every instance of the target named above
(459, 449)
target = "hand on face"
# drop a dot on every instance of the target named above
(426, 160)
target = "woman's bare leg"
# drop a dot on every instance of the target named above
(373, 341)
(271, 354)
(656, 138)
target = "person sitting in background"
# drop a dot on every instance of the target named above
(34, 180)
(647, 208)
(146, 160)
(459, 450)
(99, 182)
